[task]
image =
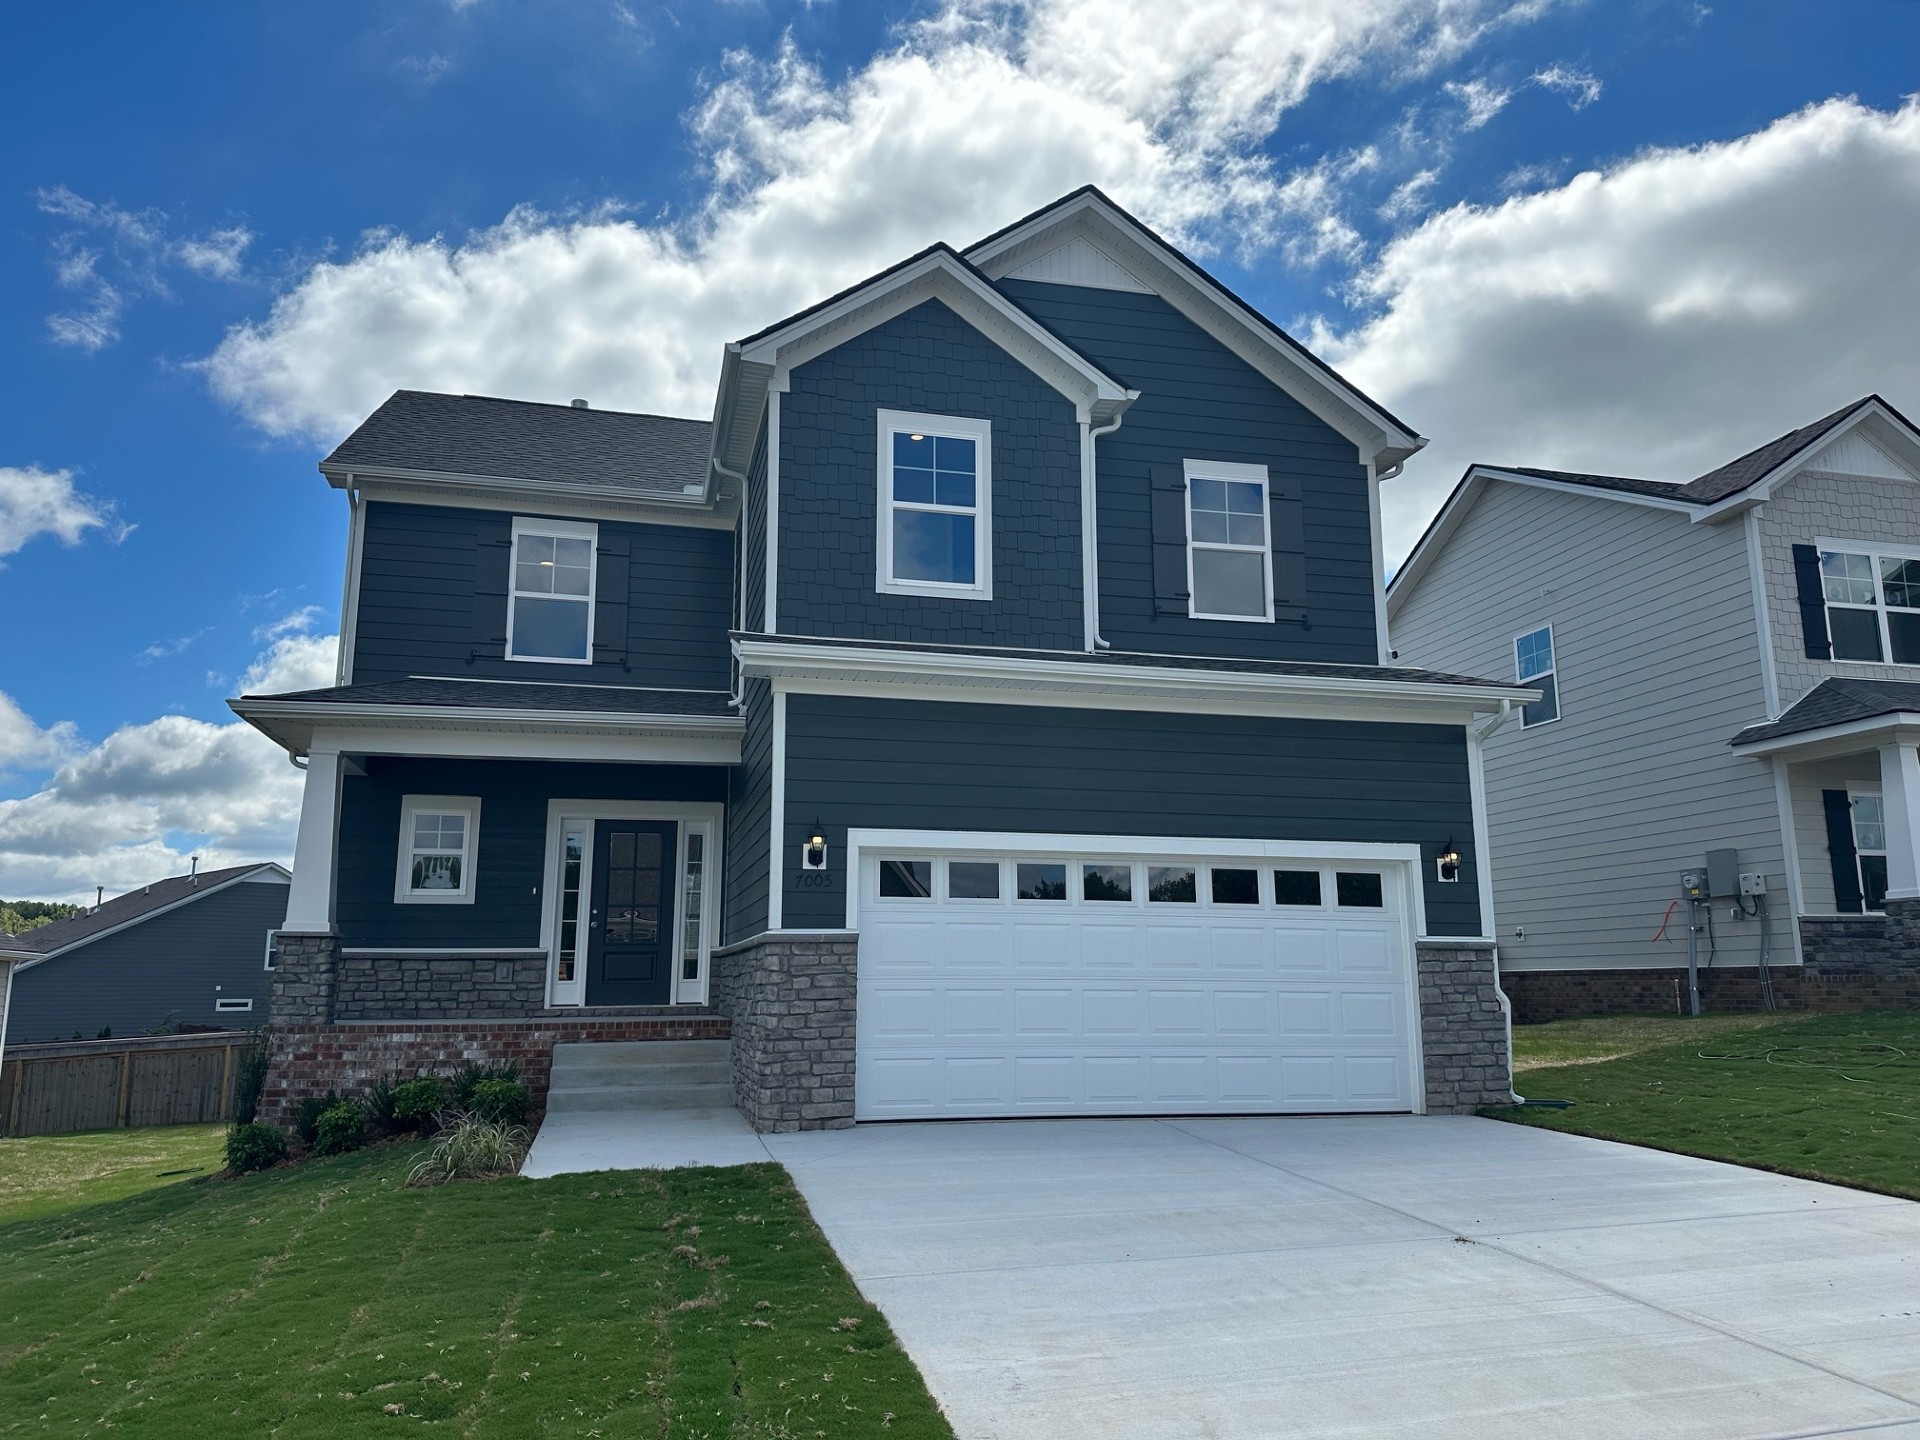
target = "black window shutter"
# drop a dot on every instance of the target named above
(1813, 603)
(493, 560)
(1846, 866)
(1170, 592)
(1289, 548)
(610, 593)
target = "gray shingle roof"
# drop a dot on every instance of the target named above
(1736, 475)
(1661, 489)
(1837, 701)
(656, 456)
(446, 693)
(121, 909)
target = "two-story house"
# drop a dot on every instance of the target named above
(1726, 664)
(985, 714)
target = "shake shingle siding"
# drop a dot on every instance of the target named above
(1594, 816)
(417, 610)
(931, 361)
(1202, 402)
(749, 812)
(928, 765)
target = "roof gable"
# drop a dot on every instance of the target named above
(134, 908)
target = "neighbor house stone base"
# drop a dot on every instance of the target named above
(790, 1002)
(1463, 1028)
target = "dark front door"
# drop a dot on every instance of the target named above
(630, 919)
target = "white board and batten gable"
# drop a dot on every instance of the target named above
(1855, 454)
(1079, 263)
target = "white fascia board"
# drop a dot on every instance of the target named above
(495, 733)
(1198, 296)
(495, 492)
(1900, 728)
(1886, 427)
(28, 959)
(996, 678)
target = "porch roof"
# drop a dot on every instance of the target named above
(1837, 707)
(460, 693)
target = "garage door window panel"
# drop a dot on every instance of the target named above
(1172, 885)
(1040, 880)
(1107, 884)
(1235, 887)
(1296, 887)
(906, 879)
(973, 880)
(1360, 890)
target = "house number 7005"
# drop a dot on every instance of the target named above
(813, 880)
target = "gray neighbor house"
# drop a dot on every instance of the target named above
(187, 950)
(1726, 664)
(988, 712)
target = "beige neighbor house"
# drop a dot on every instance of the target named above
(1727, 664)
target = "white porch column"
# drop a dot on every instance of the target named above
(1900, 792)
(310, 897)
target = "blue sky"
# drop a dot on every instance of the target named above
(230, 229)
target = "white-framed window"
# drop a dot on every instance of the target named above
(231, 1003)
(272, 960)
(1870, 845)
(1229, 542)
(550, 591)
(439, 849)
(1873, 601)
(936, 506)
(1533, 666)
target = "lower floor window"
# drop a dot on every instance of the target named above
(1870, 848)
(691, 902)
(437, 843)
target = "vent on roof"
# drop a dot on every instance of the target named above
(578, 404)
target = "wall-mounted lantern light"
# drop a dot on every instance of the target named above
(813, 850)
(1446, 865)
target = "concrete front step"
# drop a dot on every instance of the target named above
(639, 1097)
(638, 1053)
(640, 1075)
(684, 1072)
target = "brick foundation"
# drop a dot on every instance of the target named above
(1463, 1028)
(790, 1001)
(1542, 995)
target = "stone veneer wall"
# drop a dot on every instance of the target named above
(1463, 1028)
(438, 987)
(790, 1002)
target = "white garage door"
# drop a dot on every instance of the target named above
(1021, 983)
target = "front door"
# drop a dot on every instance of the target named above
(630, 919)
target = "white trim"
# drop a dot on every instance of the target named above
(957, 427)
(1900, 819)
(310, 895)
(1376, 525)
(301, 728)
(1552, 672)
(350, 586)
(506, 492)
(411, 806)
(270, 956)
(1482, 828)
(1089, 541)
(1241, 474)
(587, 530)
(777, 813)
(27, 959)
(1762, 621)
(770, 602)
(1790, 849)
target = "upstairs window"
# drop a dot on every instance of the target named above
(1533, 667)
(1229, 555)
(1873, 604)
(935, 510)
(550, 603)
(438, 839)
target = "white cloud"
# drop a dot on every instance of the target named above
(990, 108)
(167, 649)
(1581, 87)
(45, 502)
(1482, 100)
(1410, 196)
(1656, 318)
(134, 807)
(296, 622)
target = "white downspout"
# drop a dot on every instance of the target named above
(1090, 516)
(740, 608)
(1477, 732)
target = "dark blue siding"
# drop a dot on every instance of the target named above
(166, 969)
(513, 795)
(417, 613)
(932, 765)
(753, 537)
(749, 813)
(1202, 402)
(929, 360)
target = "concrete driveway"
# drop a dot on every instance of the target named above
(1379, 1276)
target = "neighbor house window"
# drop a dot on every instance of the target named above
(1533, 666)
(1229, 568)
(936, 503)
(550, 605)
(438, 837)
(1870, 846)
(1873, 604)
(225, 1003)
(273, 950)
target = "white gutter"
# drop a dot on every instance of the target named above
(1090, 520)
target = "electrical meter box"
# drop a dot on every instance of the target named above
(1723, 872)
(1693, 884)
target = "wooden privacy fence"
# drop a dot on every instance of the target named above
(103, 1084)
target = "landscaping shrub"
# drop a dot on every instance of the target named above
(505, 1102)
(471, 1148)
(340, 1128)
(250, 1076)
(307, 1113)
(460, 1084)
(378, 1104)
(255, 1147)
(417, 1103)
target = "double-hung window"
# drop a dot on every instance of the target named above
(1229, 542)
(1870, 845)
(1873, 602)
(1533, 666)
(936, 506)
(439, 842)
(550, 601)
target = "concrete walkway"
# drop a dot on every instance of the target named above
(1378, 1276)
(579, 1140)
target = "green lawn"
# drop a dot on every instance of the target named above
(45, 1174)
(326, 1299)
(1831, 1097)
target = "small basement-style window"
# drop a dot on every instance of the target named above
(550, 603)
(273, 951)
(1533, 666)
(438, 844)
(231, 1003)
(936, 506)
(1873, 603)
(1229, 561)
